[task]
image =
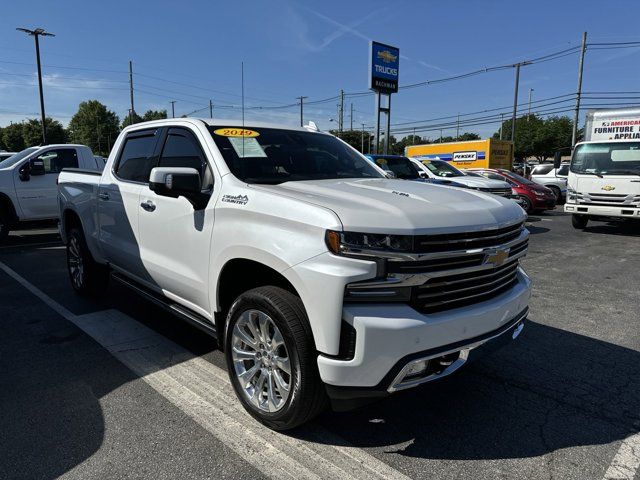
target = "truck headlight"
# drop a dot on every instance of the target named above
(357, 243)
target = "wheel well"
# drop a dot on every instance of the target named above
(71, 220)
(238, 276)
(7, 205)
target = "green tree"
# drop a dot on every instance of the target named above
(128, 120)
(32, 132)
(2, 145)
(12, 137)
(355, 138)
(154, 115)
(398, 147)
(537, 137)
(95, 126)
(468, 136)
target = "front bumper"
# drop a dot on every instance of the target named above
(620, 211)
(544, 203)
(389, 336)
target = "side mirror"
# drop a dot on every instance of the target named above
(423, 175)
(390, 174)
(557, 159)
(177, 182)
(24, 172)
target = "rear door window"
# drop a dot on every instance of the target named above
(137, 156)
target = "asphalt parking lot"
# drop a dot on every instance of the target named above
(117, 388)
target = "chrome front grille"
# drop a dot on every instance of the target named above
(450, 271)
(467, 240)
(503, 192)
(608, 199)
(451, 291)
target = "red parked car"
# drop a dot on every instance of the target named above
(534, 197)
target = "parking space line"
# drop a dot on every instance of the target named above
(626, 462)
(203, 392)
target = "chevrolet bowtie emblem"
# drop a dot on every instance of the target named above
(387, 56)
(496, 257)
(608, 188)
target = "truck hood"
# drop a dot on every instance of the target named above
(403, 207)
(609, 185)
(477, 182)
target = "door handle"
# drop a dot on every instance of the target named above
(103, 196)
(149, 206)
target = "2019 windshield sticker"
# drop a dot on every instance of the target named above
(237, 199)
(236, 132)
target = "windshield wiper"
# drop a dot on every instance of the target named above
(590, 173)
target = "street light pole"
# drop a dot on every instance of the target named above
(173, 108)
(37, 33)
(529, 112)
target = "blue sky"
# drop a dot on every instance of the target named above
(191, 51)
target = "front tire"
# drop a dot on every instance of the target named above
(271, 358)
(88, 277)
(579, 221)
(526, 203)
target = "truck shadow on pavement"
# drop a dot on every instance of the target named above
(627, 229)
(550, 390)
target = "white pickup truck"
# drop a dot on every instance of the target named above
(28, 182)
(320, 277)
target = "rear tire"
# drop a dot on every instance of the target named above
(87, 277)
(267, 334)
(579, 221)
(5, 224)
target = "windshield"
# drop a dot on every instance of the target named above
(401, 167)
(614, 158)
(442, 168)
(272, 156)
(518, 178)
(12, 160)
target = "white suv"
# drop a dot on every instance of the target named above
(555, 179)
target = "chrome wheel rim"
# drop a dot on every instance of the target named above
(76, 266)
(261, 361)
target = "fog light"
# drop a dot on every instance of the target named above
(417, 369)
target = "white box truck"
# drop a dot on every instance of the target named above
(604, 175)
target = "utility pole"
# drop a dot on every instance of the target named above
(341, 117)
(37, 33)
(210, 108)
(351, 117)
(529, 112)
(362, 141)
(173, 108)
(301, 98)
(413, 139)
(574, 133)
(131, 91)
(515, 100)
(501, 124)
(458, 127)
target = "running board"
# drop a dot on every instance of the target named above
(179, 311)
